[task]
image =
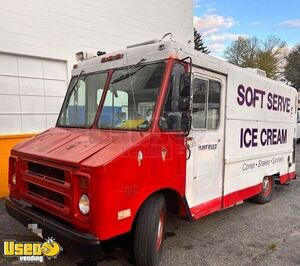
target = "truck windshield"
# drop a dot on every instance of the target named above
(82, 101)
(131, 97)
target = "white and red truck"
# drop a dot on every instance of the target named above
(153, 128)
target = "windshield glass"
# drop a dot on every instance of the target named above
(82, 102)
(131, 97)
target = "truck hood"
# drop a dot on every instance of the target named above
(70, 146)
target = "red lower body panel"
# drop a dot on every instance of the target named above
(238, 196)
(206, 208)
(287, 177)
(233, 198)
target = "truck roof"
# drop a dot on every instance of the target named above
(155, 50)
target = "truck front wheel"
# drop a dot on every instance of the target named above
(150, 231)
(266, 194)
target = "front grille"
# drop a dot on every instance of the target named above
(48, 187)
(46, 171)
(46, 194)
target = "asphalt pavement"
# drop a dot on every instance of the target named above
(247, 234)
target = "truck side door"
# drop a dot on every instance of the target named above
(204, 181)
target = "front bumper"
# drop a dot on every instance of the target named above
(69, 238)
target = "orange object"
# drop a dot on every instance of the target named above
(6, 143)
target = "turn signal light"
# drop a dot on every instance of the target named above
(83, 182)
(13, 171)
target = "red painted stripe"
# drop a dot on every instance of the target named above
(287, 177)
(232, 199)
(238, 196)
(206, 208)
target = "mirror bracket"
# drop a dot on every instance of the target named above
(186, 94)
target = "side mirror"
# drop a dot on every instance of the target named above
(185, 85)
(184, 101)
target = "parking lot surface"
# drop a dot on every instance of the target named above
(247, 234)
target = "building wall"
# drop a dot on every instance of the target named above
(57, 29)
(31, 92)
(38, 41)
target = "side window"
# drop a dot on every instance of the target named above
(214, 99)
(170, 119)
(206, 104)
(199, 103)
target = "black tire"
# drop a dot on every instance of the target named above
(267, 192)
(148, 240)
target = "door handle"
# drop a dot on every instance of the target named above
(192, 140)
(189, 152)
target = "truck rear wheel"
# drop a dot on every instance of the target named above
(150, 231)
(266, 194)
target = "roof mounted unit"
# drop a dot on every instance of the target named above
(81, 56)
(258, 71)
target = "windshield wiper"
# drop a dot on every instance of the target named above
(76, 81)
(129, 73)
(125, 76)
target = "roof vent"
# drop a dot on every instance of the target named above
(257, 71)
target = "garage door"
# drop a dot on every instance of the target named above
(31, 93)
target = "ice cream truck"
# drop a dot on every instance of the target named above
(155, 128)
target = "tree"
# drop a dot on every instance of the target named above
(271, 57)
(267, 55)
(292, 69)
(199, 43)
(243, 52)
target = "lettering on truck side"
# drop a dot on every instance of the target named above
(250, 96)
(253, 137)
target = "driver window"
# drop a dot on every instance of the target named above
(170, 119)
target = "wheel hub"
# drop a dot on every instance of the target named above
(160, 231)
(267, 186)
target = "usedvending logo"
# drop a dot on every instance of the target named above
(32, 251)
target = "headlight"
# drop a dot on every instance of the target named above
(84, 204)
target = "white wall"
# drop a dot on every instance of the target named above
(57, 29)
(38, 34)
(31, 92)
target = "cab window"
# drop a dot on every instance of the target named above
(206, 104)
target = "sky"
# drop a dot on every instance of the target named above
(222, 21)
